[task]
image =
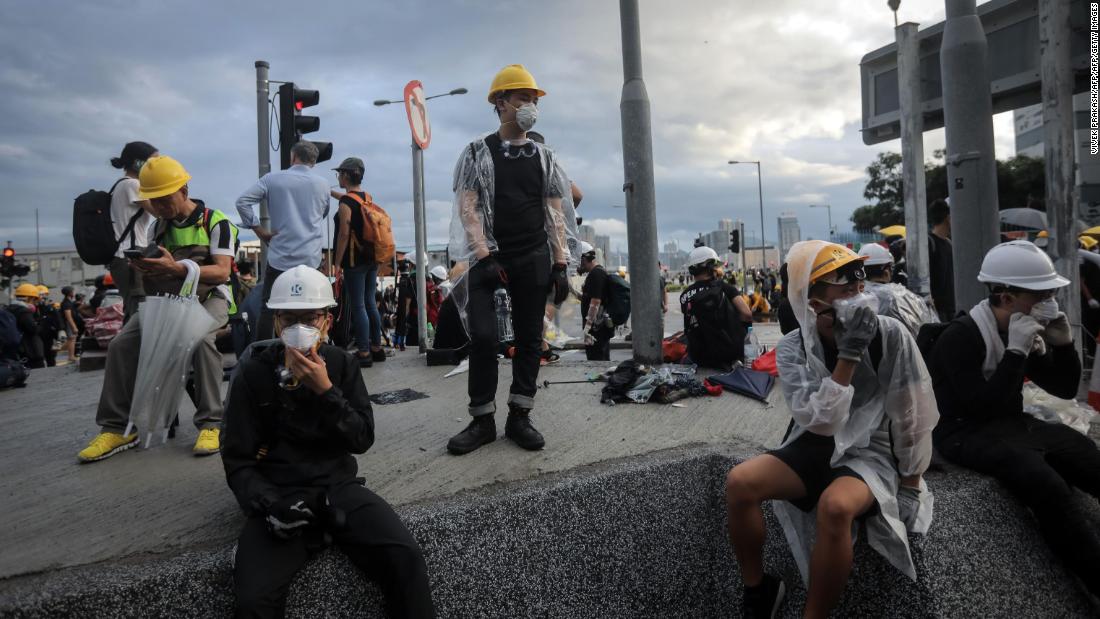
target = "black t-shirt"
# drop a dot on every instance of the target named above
(519, 218)
(595, 287)
(941, 272)
(365, 253)
(406, 289)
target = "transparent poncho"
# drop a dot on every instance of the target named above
(898, 302)
(472, 217)
(882, 422)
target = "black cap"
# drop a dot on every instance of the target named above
(351, 164)
(134, 151)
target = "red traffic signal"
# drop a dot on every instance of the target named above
(9, 252)
(293, 124)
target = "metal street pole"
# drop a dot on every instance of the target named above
(912, 158)
(1057, 88)
(641, 202)
(421, 248)
(760, 194)
(744, 250)
(829, 213)
(37, 247)
(971, 167)
(263, 150)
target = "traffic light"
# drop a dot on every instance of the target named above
(293, 124)
(7, 263)
(735, 241)
(698, 242)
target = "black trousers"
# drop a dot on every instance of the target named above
(265, 329)
(374, 539)
(528, 280)
(601, 349)
(1040, 463)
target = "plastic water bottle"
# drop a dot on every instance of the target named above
(503, 305)
(752, 347)
(431, 332)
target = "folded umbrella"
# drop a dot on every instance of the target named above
(746, 382)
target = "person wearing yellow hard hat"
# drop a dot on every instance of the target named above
(49, 324)
(508, 222)
(186, 230)
(132, 219)
(859, 443)
(24, 307)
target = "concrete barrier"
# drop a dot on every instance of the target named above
(639, 537)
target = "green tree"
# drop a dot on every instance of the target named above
(884, 188)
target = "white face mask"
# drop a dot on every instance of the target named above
(526, 115)
(301, 337)
(1045, 311)
(846, 308)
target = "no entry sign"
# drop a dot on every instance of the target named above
(417, 111)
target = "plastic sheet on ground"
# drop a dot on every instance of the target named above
(1051, 409)
(399, 396)
(171, 326)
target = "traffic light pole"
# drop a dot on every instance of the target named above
(421, 248)
(263, 149)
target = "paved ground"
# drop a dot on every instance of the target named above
(59, 513)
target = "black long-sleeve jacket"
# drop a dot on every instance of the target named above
(276, 442)
(966, 398)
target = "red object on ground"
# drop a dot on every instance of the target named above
(766, 363)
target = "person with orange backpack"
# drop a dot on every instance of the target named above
(364, 238)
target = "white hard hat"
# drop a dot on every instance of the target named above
(439, 272)
(1022, 265)
(585, 248)
(876, 254)
(301, 288)
(699, 255)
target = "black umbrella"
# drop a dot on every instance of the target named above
(744, 381)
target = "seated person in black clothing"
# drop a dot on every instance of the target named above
(859, 442)
(714, 314)
(978, 365)
(296, 412)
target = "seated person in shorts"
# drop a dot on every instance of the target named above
(859, 441)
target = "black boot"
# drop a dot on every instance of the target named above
(519, 429)
(481, 431)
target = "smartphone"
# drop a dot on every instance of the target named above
(133, 254)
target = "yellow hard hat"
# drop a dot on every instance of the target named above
(1043, 235)
(830, 259)
(42, 289)
(1088, 241)
(27, 290)
(161, 176)
(511, 77)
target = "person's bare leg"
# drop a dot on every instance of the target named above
(831, 562)
(747, 486)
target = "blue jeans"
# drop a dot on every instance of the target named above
(361, 283)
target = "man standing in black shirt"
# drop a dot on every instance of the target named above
(509, 225)
(597, 326)
(714, 314)
(978, 367)
(941, 269)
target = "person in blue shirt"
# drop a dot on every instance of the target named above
(297, 202)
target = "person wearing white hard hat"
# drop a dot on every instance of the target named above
(296, 413)
(715, 314)
(596, 324)
(894, 300)
(979, 363)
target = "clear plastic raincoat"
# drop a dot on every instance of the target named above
(882, 422)
(472, 216)
(897, 301)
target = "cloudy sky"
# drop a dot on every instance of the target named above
(776, 81)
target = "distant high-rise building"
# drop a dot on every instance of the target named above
(725, 225)
(603, 244)
(789, 232)
(587, 234)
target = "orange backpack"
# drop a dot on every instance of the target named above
(377, 229)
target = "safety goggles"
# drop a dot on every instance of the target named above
(850, 273)
(312, 319)
(518, 150)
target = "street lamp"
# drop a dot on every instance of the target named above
(456, 91)
(829, 210)
(760, 194)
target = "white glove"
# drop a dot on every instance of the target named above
(908, 505)
(1094, 304)
(1022, 331)
(1057, 331)
(589, 339)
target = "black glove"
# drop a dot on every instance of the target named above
(559, 281)
(288, 517)
(492, 269)
(854, 337)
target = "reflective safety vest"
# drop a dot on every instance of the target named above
(193, 243)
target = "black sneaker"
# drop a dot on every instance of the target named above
(519, 429)
(378, 355)
(481, 431)
(763, 600)
(364, 360)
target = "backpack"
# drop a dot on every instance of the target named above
(377, 229)
(10, 337)
(12, 374)
(93, 230)
(618, 299)
(929, 333)
(714, 336)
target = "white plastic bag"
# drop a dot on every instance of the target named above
(171, 326)
(1051, 409)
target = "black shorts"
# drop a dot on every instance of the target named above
(809, 456)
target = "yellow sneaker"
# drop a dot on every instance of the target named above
(107, 444)
(207, 442)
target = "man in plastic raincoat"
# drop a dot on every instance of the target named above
(860, 439)
(509, 224)
(894, 300)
